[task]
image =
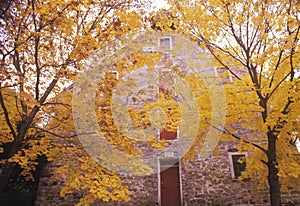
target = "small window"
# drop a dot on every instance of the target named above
(116, 74)
(165, 44)
(166, 81)
(237, 163)
(168, 135)
(169, 162)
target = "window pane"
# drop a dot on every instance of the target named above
(238, 165)
(165, 44)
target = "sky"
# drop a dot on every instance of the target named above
(160, 4)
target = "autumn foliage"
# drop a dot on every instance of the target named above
(253, 44)
(42, 47)
(257, 43)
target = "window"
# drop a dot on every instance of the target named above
(168, 135)
(237, 163)
(115, 73)
(166, 81)
(165, 44)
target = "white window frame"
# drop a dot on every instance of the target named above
(170, 40)
(116, 73)
(230, 159)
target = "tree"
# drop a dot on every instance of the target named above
(257, 42)
(42, 48)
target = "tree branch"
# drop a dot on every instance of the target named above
(226, 131)
(277, 86)
(36, 52)
(8, 121)
(28, 121)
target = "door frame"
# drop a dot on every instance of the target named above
(159, 179)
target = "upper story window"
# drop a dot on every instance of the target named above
(237, 163)
(166, 81)
(168, 135)
(166, 44)
(115, 73)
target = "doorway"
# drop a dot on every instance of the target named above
(170, 191)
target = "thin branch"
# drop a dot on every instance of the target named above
(36, 108)
(263, 161)
(277, 86)
(253, 37)
(290, 101)
(247, 27)
(226, 131)
(280, 122)
(57, 103)
(292, 53)
(96, 19)
(9, 86)
(8, 121)
(231, 55)
(61, 136)
(238, 39)
(276, 68)
(54, 134)
(36, 52)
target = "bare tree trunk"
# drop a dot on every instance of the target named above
(273, 180)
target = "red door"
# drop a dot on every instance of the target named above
(170, 183)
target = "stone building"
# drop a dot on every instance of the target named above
(211, 181)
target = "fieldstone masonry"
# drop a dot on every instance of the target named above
(204, 183)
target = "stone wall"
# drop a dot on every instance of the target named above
(206, 182)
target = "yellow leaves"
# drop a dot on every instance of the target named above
(140, 118)
(216, 152)
(164, 20)
(264, 36)
(95, 181)
(267, 63)
(84, 47)
(131, 20)
(64, 191)
(1, 149)
(27, 158)
(158, 144)
(55, 37)
(11, 102)
(289, 163)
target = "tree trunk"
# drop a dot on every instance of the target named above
(7, 169)
(5, 175)
(273, 180)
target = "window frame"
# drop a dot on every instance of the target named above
(170, 43)
(231, 164)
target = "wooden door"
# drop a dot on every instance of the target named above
(170, 183)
